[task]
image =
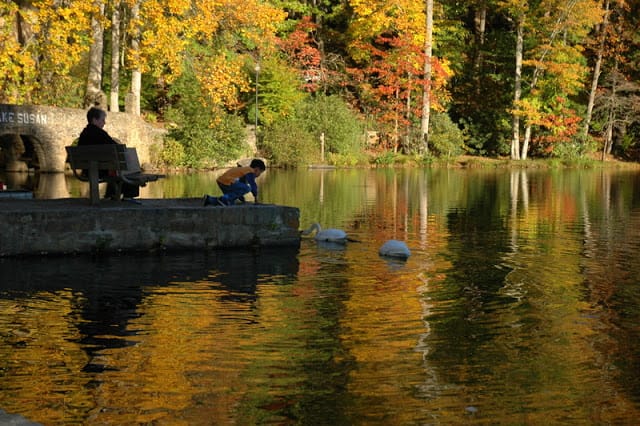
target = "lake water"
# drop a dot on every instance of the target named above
(520, 304)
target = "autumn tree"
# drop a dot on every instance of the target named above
(43, 43)
(388, 83)
(227, 39)
(135, 59)
(388, 43)
(555, 64)
(612, 108)
(601, 36)
(323, 24)
(19, 75)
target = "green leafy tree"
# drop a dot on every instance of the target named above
(204, 144)
(279, 91)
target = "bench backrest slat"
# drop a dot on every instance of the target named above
(132, 161)
(107, 157)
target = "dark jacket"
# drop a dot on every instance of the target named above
(94, 135)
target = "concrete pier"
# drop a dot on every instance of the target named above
(72, 225)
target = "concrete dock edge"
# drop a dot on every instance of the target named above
(72, 225)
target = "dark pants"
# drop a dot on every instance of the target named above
(233, 192)
(128, 190)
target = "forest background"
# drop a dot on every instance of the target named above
(343, 81)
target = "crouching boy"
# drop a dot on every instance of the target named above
(235, 183)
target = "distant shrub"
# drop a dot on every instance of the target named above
(296, 140)
(347, 160)
(330, 115)
(445, 137)
(385, 159)
(287, 143)
(206, 144)
(575, 149)
(172, 153)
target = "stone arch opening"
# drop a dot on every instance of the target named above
(20, 152)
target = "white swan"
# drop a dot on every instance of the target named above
(331, 234)
(395, 248)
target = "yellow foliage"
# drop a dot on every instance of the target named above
(372, 18)
(221, 76)
(222, 79)
(255, 21)
(166, 28)
(64, 31)
(57, 36)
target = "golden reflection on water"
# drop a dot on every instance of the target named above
(519, 305)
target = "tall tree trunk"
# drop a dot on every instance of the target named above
(596, 71)
(527, 129)
(93, 95)
(611, 115)
(133, 103)
(407, 132)
(426, 93)
(608, 137)
(517, 91)
(396, 124)
(319, 21)
(525, 142)
(115, 57)
(23, 28)
(480, 22)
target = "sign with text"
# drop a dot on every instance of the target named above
(23, 117)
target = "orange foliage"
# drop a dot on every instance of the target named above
(394, 76)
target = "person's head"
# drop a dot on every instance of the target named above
(96, 116)
(258, 166)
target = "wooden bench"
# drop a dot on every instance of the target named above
(87, 161)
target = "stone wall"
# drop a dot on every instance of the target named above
(51, 129)
(72, 225)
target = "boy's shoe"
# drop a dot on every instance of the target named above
(220, 202)
(205, 200)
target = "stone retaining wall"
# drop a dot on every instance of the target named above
(38, 227)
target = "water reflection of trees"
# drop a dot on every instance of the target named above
(530, 306)
(537, 258)
(302, 371)
(106, 326)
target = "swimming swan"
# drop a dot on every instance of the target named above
(395, 248)
(330, 234)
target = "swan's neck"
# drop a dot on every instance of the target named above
(314, 227)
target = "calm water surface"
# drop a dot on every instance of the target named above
(519, 305)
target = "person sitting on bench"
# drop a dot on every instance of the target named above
(94, 134)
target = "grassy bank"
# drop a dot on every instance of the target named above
(468, 161)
